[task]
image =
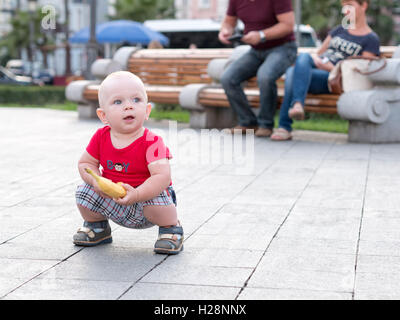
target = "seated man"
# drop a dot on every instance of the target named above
(268, 29)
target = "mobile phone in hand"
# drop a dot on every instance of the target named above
(235, 37)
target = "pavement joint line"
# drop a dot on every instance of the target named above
(39, 274)
(361, 220)
(216, 212)
(33, 176)
(244, 188)
(190, 284)
(35, 196)
(286, 217)
(36, 227)
(194, 181)
(298, 289)
(140, 278)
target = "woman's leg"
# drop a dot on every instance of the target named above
(302, 78)
(284, 121)
(319, 82)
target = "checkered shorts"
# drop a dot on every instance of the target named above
(127, 216)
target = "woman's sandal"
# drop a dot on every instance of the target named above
(92, 234)
(170, 240)
(281, 134)
(297, 112)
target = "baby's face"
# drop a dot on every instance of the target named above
(123, 104)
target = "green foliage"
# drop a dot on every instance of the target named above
(18, 37)
(141, 10)
(31, 95)
(326, 14)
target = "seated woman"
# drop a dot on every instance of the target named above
(310, 72)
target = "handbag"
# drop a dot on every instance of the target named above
(348, 74)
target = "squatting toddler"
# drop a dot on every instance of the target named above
(128, 153)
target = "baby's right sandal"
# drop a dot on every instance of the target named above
(170, 240)
(93, 233)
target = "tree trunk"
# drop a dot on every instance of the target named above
(67, 46)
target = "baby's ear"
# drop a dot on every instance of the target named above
(102, 115)
(148, 110)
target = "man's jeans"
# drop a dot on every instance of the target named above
(268, 65)
(301, 79)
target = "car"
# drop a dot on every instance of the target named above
(7, 77)
(16, 67)
(39, 75)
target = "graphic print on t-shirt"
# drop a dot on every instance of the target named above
(118, 166)
(340, 48)
(344, 44)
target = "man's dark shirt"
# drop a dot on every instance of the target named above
(259, 15)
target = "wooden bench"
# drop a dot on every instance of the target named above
(322, 103)
(165, 72)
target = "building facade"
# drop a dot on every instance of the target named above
(79, 17)
(201, 9)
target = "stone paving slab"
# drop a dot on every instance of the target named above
(312, 218)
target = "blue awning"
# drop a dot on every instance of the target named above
(119, 31)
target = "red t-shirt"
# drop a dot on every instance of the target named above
(261, 14)
(129, 164)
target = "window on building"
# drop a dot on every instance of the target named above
(204, 4)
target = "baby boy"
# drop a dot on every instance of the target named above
(132, 154)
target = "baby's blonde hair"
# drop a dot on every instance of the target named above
(118, 74)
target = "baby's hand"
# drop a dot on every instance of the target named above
(130, 197)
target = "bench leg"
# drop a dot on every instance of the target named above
(212, 118)
(87, 111)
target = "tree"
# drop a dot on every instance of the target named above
(141, 10)
(17, 38)
(324, 15)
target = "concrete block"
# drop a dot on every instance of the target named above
(74, 91)
(388, 132)
(367, 112)
(213, 118)
(123, 54)
(87, 111)
(101, 68)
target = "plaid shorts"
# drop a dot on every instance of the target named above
(127, 216)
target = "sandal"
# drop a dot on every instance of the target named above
(297, 112)
(92, 234)
(281, 134)
(170, 240)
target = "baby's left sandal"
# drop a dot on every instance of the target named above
(93, 234)
(170, 240)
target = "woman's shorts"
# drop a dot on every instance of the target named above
(127, 216)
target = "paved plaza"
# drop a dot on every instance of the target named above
(312, 218)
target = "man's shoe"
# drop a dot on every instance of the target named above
(240, 129)
(263, 132)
